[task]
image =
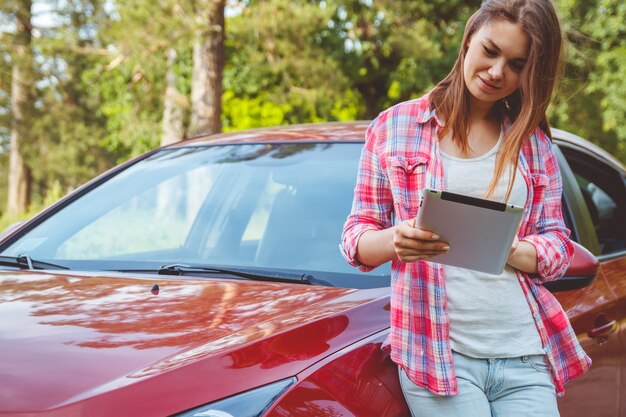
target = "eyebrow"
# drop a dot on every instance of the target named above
(497, 48)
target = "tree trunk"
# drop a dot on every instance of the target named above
(173, 131)
(21, 84)
(173, 105)
(208, 67)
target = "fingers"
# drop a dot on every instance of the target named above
(413, 244)
(408, 230)
(424, 246)
(417, 258)
(411, 255)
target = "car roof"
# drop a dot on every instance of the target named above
(571, 139)
(347, 132)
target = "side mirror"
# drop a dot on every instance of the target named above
(581, 272)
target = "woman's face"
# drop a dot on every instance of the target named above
(495, 57)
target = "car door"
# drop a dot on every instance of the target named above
(595, 205)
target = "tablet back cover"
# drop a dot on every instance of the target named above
(480, 232)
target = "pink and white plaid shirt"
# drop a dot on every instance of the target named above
(400, 157)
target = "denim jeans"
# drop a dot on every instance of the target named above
(509, 387)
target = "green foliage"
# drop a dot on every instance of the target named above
(132, 84)
(53, 194)
(336, 60)
(591, 100)
(279, 69)
(101, 67)
(130, 108)
(250, 112)
(64, 146)
(394, 50)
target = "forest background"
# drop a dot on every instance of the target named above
(86, 84)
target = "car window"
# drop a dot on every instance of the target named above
(276, 206)
(604, 193)
(158, 218)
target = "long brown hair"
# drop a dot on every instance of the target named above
(526, 107)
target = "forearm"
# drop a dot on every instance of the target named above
(403, 241)
(375, 247)
(524, 258)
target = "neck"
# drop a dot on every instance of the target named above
(480, 111)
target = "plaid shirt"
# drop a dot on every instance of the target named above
(400, 157)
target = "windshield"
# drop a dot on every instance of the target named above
(279, 206)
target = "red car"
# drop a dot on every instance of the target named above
(204, 279)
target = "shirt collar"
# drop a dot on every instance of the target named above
(428, 114)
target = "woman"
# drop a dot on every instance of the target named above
(469, 343)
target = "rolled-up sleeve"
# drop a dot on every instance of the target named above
(551, 237)
(373, 202)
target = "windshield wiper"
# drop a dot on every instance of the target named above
(278, 276)
(26, 262)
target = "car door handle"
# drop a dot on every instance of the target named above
(603, 330)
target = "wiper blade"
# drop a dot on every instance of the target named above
(26, 262)
(278, 276)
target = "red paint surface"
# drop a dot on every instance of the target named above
(583, 263)
(81, 346)
(597, 393)
(86, 344)
(361, 382)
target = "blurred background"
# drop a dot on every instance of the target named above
(86, 84)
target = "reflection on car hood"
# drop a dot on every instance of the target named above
(71, 343)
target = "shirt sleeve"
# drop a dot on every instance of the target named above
(372, 203)
(550, 237)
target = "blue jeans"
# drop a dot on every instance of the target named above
(510, 387)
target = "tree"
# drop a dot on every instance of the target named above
(146, 86)
(591, 98)
(295, 61)
(395, 50)
(278, 68)
(21, 86)
(106, 80)
(208, 67)
(173, 105)
(5, 117)
(68, 127)
(132, 82)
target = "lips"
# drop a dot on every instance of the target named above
(487, 86)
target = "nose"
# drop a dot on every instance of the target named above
(496, 71)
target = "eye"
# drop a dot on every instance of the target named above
(517, 66)
(489, 52)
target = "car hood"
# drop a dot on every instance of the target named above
(93, 340)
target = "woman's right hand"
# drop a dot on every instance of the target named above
(412, 244)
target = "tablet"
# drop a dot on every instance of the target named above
(480, 232)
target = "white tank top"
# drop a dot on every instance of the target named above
(489, 314)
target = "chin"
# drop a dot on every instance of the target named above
(483, 97)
